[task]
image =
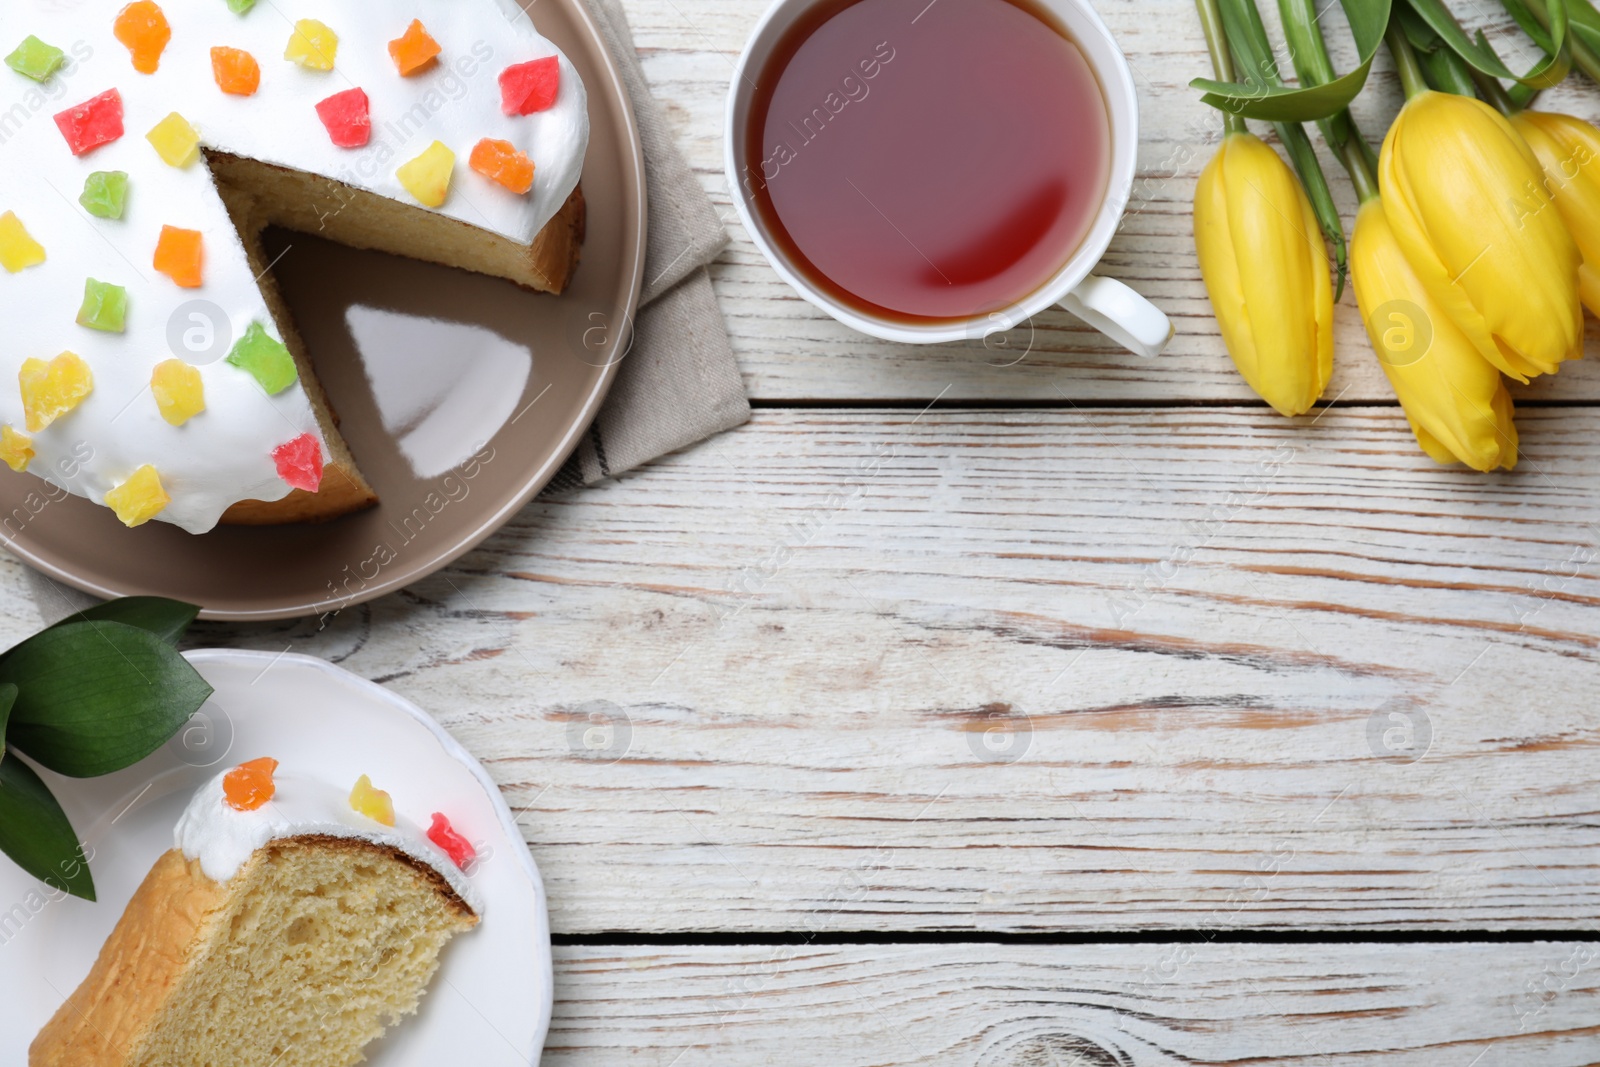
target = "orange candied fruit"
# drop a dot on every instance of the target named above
(415, 50)
(142, 28)
(249, 785)
(499, 161)
(180, 255)
(236, 71)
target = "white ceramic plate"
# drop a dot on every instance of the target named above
(490, 1003)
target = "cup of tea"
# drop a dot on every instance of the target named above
(940, 170)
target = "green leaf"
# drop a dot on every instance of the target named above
(1263, 96)
(95, 697)
(1531, 25)
(167, 619)
(35, 833)
(1549, 72)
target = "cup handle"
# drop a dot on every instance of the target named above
(1121, 314)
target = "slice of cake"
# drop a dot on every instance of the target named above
(149, 363)
(290, 926)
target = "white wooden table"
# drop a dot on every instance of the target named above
(1038, 706)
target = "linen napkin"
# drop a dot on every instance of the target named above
(679, 383)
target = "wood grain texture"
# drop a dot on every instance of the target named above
(1189, 1004)
(789, 350)
(1036, 671)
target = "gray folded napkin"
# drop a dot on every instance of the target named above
(679, 382)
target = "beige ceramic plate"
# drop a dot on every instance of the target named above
(461, 397)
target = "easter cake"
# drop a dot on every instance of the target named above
(148, 362)
(290, 925)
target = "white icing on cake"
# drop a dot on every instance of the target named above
(222, 838)
(223, 455)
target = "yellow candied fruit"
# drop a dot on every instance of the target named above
(428, 176)
(313, 45)
(16, 449)
(18, 249)
(140, 498)
(179, 392)
(373, 803)
(50, 390)
(175, 141)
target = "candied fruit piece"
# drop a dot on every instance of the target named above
(16, 449)
(140, 498)
(175, 141)
(50, 390)
(415, 50)
(348, 117)
(105, 194)
(499, 161)
(428, 176)
(300, 462)
(264, 358)
(179, 392)
(373, 803)
(105, 307)
(250, 785)
(312, 45)
(452, 844)
(236, 71)
(92, 123)
(180, 255)
(241, 7)
(35, 59)
(18, 249)
(529, 87)
(142, 28)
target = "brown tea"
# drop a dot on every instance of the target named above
(928, 161)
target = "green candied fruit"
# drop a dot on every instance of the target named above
(241, 7)
(105, 194)
(105, 307)
(265, 359)
(35, 59)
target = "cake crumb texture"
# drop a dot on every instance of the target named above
(301, 960)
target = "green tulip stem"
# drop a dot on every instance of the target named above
(1221, 58)
(1495, 93)
(1310, 56)
(1353, 154)
(1405, 61)
(1583, 56)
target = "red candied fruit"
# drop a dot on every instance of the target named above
(300, 462)
(529, 87)
(458, 848)
(348, 117)
(249, 785)
(92, 123)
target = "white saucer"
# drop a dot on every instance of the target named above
(490, 1003)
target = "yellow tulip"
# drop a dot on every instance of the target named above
(1466, 200)
(1455, 400)
(1264, 264)
(1569, 151)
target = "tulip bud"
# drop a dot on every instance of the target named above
(1455, 400)
(1465, 198)
(1265, 267)
(1569, 151)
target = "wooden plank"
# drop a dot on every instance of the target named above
(1049, 671)
(789, 350)
(1108, 1006)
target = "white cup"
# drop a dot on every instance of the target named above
(1104, 303)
